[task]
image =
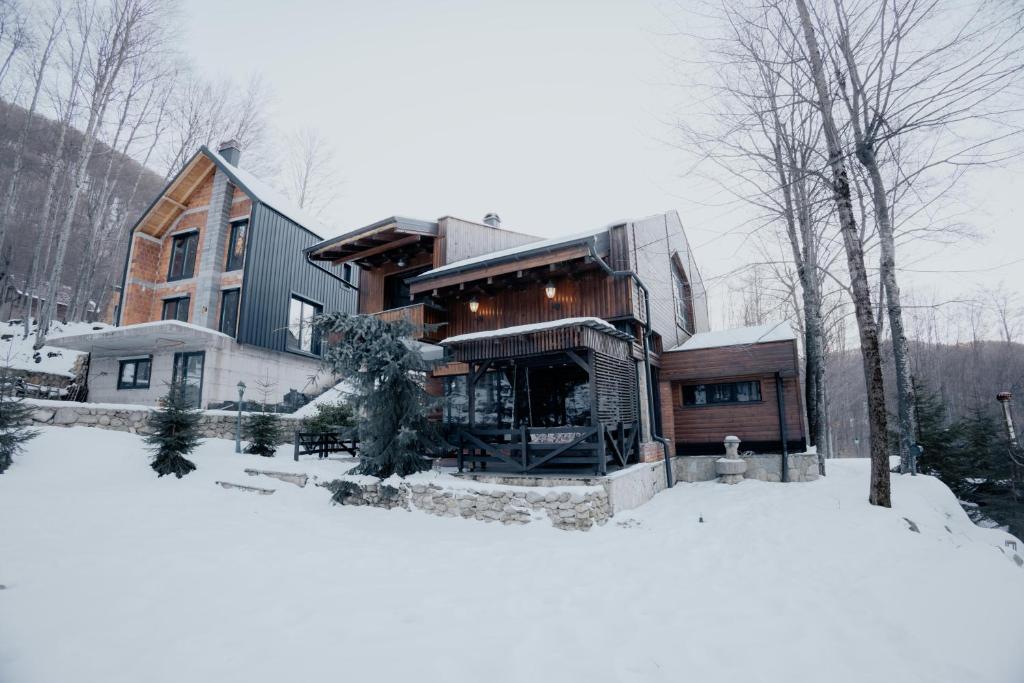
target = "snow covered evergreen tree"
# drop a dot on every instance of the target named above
(14, 415)
(175, 433)
(389, 374)
(264, 433)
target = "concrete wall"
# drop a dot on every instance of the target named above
(227, 363)
(802, 467)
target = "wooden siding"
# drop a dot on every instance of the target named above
(371, 282)
(616, 386)
(420, 316)
(593, 294)
(484, 271)
(276, 268)
(730, 361)
(460, 239)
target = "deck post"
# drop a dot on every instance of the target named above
(524, 444)
(296, 441)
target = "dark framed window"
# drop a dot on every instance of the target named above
(302, 336)
(722, 392)
(236, 244)
(346, 273)
(176, 309)
(183, 256)
(683, 297)
(229, 311)
(133, 373)
(188, 369)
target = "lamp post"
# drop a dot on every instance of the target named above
(238, 424)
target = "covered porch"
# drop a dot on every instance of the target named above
(555, 397)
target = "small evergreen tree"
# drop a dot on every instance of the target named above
(389, 375)
(264, 433)
(329, 417)
(175, 433)
(14, 415)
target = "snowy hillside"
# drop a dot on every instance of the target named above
(17, 352)
(112, 575)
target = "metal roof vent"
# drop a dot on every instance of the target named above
(493, 220)
(231, 150)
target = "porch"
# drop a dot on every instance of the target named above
(556, 397)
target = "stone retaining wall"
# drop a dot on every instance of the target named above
(509, 505)
(213, 425)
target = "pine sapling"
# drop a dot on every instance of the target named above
(264, 433)
(175, 433)
(14, 415)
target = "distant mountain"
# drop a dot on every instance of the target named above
(24, 227)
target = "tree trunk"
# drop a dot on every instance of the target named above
(860, 289)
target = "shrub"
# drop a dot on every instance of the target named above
(14, 415)
(328, 417)
(264, 433)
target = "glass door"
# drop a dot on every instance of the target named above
(188, 369)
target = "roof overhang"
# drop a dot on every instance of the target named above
(144, 338)
(373, 244)
(540, 338)
(170, 203)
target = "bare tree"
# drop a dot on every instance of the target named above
(14, 34)
(310, 173)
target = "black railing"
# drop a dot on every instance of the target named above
(526, 449)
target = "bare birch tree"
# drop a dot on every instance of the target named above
(311, 177)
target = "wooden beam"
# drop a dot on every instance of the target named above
(380, 249)
(484, 271)
(173, 202)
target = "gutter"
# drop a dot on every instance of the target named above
(648, 332)
(310, 261)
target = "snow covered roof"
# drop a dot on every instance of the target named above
(595, 323)
(265, 194)
(521, 250)
(139, 338)
(739, 336)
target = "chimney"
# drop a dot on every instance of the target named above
(493, 220)
(231, 150)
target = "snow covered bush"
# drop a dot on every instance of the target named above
(264, 433)
(14, 415)
(175, 433)
(388, 374)
(328, 417)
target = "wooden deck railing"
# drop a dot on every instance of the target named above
(525, 449)
(421, 316)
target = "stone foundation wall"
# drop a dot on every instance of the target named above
(213, 425)
(509, 505)
(802, 467)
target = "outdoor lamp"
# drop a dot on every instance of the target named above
(549, 289)
(238, 423)
(474, 305)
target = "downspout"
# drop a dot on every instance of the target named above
(648, 332)
(337, 277)
(780, 398)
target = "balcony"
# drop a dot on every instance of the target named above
(421, 317)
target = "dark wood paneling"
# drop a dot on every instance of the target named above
(463, 239)
(730, 361)
(371, 282)
(544, 341)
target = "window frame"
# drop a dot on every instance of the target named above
(177, 302)
(237, 291)
(714, 404)
(135, 384)
(316, 343)
(684, 320)
(187, 237)
(234, 226)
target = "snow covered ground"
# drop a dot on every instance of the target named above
(114, 575)
(17, 352)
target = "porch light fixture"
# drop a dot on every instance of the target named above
(401, 263)
(549, 289)
(474, 305)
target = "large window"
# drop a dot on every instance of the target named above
(301, 334)
(188, 369)
(683, 297)
(176, 309)
(723, 392)
(133, 373)
(229, 311)
(183, 256)
(236, 245)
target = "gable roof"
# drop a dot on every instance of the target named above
(170, 203)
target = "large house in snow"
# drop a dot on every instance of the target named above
(591, 351)
(217, 290)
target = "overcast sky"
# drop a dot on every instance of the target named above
(553, 114)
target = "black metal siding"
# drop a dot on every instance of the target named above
(275, 269)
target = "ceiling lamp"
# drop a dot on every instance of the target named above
(474, 305)
(549, 289)
(401, 262)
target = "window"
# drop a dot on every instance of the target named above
(176, 309)
(301, 334)
(229, 311)
(724, 392)
(236, 245)
(683, 297)
(183, 256)
(134, 373)
(188, 369)
(346, 273)
(396, 289)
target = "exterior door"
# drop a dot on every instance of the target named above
(188, 369)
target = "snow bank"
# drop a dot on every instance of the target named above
(17, 352)
(527, 329)
(113, 575)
